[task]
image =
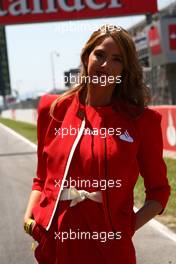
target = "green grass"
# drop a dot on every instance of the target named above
(27, 130)
(169, 215)
(139, 193)
(171, 167)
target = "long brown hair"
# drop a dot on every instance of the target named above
(132, 89)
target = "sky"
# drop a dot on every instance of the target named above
(34, 48)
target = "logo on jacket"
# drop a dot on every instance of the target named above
(126, 137)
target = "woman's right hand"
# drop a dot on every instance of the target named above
(26, 219)
(33, 225)
(33, 200)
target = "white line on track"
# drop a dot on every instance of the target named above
(13, 133)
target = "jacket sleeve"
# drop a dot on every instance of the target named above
(42, 126)
(150, 159)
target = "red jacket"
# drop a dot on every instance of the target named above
(143, 155)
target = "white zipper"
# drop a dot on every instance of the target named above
(67, 168)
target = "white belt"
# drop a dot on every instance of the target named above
(79, 195)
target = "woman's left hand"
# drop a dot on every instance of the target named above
(150, 209)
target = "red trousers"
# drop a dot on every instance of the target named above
(85, 216)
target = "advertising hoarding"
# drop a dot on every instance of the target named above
(31, 11)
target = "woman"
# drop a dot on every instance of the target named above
(92, 146)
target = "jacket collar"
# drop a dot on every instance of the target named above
(125, 109)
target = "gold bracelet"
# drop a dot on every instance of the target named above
(28, 226)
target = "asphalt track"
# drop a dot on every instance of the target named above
(17, 168)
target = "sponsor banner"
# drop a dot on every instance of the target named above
(168, 125)
(162, 41)
(172, 36)
(141, 42)
(30, 11)
(154, 40)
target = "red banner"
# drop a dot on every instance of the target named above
(31, 11)
(168, 125)
(172, 36)
(154, 40)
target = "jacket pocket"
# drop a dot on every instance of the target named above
(127, 220)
